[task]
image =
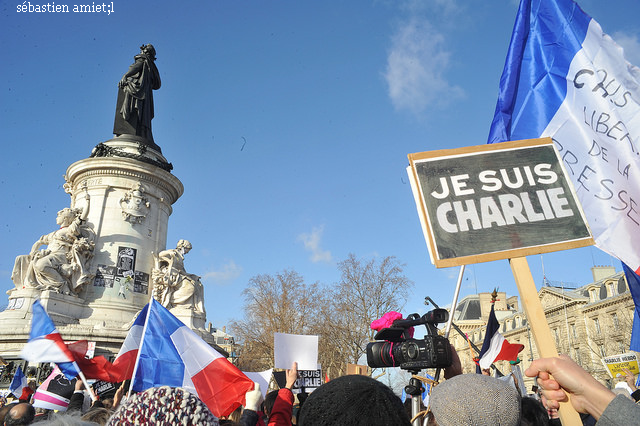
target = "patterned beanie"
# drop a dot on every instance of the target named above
(353, 400)
(163, 406)
(475, 400)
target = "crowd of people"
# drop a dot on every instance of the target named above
(460, 399)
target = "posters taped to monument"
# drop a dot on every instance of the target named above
(489, 202)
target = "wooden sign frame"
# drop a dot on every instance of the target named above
(467, 162)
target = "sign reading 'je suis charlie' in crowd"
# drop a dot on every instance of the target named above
(489, 202)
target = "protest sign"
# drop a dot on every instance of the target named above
(308, 380)
(490, 202)
(616, 363)
(290, 348)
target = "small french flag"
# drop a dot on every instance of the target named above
(46, 345)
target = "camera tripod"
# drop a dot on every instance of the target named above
(415, 389)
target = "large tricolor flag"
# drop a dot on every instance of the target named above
(495, 347)
(566, 79)
(46, 345)
(171, 354)
(18, 383)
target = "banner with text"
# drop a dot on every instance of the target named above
(491, 202)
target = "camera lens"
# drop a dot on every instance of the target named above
(412, 350)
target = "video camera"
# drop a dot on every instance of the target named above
(400, 350)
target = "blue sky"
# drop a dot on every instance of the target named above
(288, 122)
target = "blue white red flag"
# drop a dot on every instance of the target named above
(495, 347)
(122, 367)
(566, 79)
(171, 354)
(46, 345)
(18, 383)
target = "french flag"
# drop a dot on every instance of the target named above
(46, 345)
(566, 79)
(18, 383)
(122, 368)
(171, 354)
(495, 347)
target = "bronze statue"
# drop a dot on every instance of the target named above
(134, 108)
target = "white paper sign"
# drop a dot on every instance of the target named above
(290, 348)
(262, 378)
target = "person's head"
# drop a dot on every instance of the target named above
(269, 400)
(20, 414)
(533, 412)
(475, 399)
(163, 405)
(3, 412)
(98, 415)
(353, 399)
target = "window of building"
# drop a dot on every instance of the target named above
(574, 331)
(556, 335)
(614, 320)
(592, 295)
(596, 325)
(602, 351)
(612, 289)
(622, 348)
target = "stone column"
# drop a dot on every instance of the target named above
(130, 208)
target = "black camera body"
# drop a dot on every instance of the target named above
(400, 350)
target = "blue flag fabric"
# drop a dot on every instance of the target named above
(566, 79)
(18, 383)
(634, 287)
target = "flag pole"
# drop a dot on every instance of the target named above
(86, 385)
(144, 331)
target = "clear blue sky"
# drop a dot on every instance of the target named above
(288, 122)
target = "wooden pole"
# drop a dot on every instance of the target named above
(539, 327)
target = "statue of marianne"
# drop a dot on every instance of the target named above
(134, 108)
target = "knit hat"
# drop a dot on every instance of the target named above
(475, 400)
(353, 400)
(163, 406)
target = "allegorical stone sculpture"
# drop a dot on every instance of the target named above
(173, 287)
(134, 107)
(62, 266)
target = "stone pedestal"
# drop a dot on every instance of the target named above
(131, 192)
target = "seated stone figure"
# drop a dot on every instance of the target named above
(173, 286)
(63, 265)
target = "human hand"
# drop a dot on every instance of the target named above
(630, 378)
(253, 398)
(456, 366)
(292, 375)
(79, 385)
(587, 394)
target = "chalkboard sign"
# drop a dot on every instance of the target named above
(498, 201)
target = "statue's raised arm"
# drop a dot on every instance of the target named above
(134, 108)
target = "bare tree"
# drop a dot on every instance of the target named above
(340, 315)
(367, 290)
(282, 303)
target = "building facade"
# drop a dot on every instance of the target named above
(587, 323)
